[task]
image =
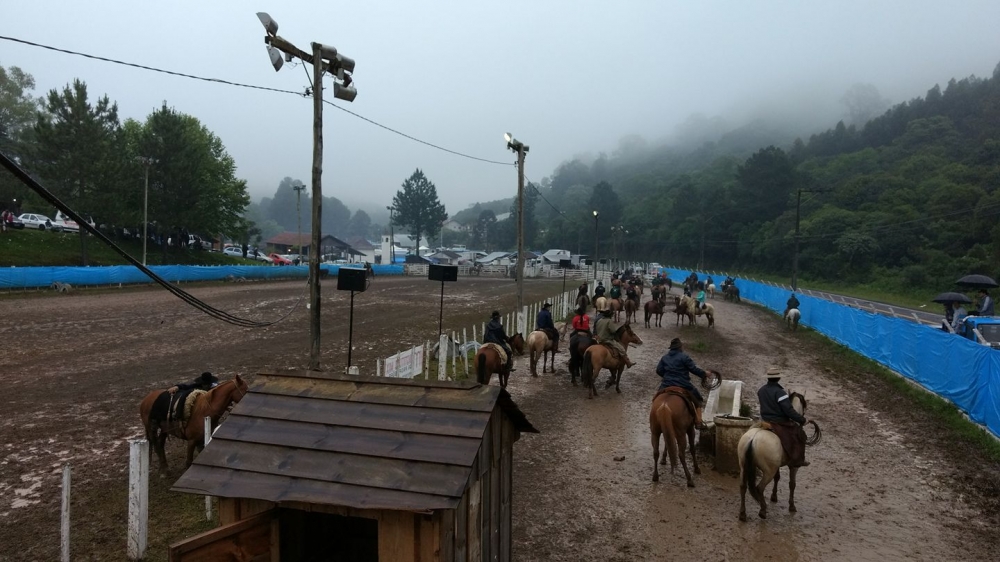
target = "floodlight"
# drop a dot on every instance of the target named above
(507, 137)
(595, 213)
(269, 24)
(327, 52)
(345, 93)
(346, 63)
(276, 60)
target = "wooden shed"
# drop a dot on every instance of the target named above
(337, 467)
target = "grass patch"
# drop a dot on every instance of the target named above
(26, 248)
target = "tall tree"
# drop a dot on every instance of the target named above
(481, 229)
(417, 207)
(17, 115)
(76, 148)
(360, 225)
(286, 205)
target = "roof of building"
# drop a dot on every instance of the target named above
(293, 239)
(362, 442)
(359, 243)
(493, 257)
(446, 254)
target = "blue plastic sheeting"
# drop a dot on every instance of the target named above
(27, 277)
(955, 368)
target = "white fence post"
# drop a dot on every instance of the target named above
(427, 360)
(378, 367)
(465, 354)
(208, 439)
(64, 515)
(443, 358)
(138, 497)
(474, 338)
(524, 322)
(454, 354)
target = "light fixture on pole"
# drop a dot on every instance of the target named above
(596, 241)
(146, 163)
(521, 149)
(324, 59)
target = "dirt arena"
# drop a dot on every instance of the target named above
(883, 484)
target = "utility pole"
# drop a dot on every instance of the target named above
(323, 59)
(521, 149)
(298, 211)
(798, 208)
(146, 163)
(597, 232)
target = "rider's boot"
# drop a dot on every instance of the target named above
(628, 362)
(698, 422)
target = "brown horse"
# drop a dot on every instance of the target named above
(655, 308)
(578, 344)
(615, 305)
(681, 310)
(488, 362)
(599, 357)
(630, 307)
(658, 292)
(212, 403)
(672, 416)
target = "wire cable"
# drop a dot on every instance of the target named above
(253, 87)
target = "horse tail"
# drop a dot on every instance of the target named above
(587, 375)
(666, 418)
(533, 355)
(750, 473)
(481, 375)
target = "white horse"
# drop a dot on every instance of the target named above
(760, 449)
(710, 290)
(601, 304)
(694, 307)
(539, 345)
(792, 318)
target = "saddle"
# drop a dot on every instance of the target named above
(499, 350)
(181, 405)
(614, 352)
(791, 435)
(683, 393)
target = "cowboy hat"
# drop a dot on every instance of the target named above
(547, 305)
(773, 373)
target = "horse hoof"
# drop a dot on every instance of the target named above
(618, 390)
(791, 509)
(697, 471)
(763, 514)
(774, 499)
(656, 477)
(743, 517)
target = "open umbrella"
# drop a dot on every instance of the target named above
(951, 297)
(977, 282)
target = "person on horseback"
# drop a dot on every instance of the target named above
(709, 281)
(701, 296)
(495, 334)
(616, 292)
(792, 303)
(776, 409)
(581, 322)
(675, 369)
(606, 332)
(544, 323)
(599, 291)
(631, 294)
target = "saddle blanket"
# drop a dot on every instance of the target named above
(499, 351)
(678, 391)
(791, 435)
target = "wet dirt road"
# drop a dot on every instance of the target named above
(876, 490)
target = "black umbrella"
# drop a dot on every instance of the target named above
(951, 297)
(977, 282)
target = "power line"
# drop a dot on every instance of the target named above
(253, 87)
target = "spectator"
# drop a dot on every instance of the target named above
(958, 325)
(985, 303)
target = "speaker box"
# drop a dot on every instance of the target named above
(442, 272)
(350, 279)
(565, 264)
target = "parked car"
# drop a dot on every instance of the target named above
(234, 251)
(68, 224)
(41, 222)
(278, 259)
(13, 222)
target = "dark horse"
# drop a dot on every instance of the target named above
(578, 344)
(488, 361)
(211, 403)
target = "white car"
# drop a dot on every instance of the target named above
(234, 251)
(41, 222)
(65, 223)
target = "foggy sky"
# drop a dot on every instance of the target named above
(564, 77)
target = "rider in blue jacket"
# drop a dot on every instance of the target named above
(544, 323)
(675, 369)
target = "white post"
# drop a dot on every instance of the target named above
(138, 497)
(465, 354)
(443, 358)
(474, 338)
(454, 354)
(208, 439)
(427, 360)
(378, 367)
(64, 527)
(524, 322)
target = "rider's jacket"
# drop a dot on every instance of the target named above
(599, 291)
(581, 323)
(775, 405)
(793, 302)
(494, 333)
(544, 320)
(674, 367)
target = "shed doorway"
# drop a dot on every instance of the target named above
(309, 536)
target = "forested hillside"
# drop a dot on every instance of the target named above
(909, 198)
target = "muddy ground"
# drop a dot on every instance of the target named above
(883, 485)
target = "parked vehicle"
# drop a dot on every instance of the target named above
(278, 259)
(982, 329)
(41, 222)
(234, 251)
(65, 223)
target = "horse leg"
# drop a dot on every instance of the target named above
(654, 429)
(774, 488)
(618, 380)
(157, 440)
(694, 455)
(766, 475)
(681, 447)
(791, 488)
(743, 494)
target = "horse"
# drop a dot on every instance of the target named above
(539, 345)
(488, 361)
(760, 449)
(578, 345)
(792, 319)
(600, 303)
(673, 417)
(211, 403)
(731, 293)
(582, 301)
(710, 289)
(616, 306)
(630, 308)
(658, 292)
(599, 357)
(694, 309)
(681, 309)
(655, 308)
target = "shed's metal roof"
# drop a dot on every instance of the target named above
(363, 442)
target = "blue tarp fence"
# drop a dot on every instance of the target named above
(957, 369)
(29, 277)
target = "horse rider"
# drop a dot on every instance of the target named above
(581, 323)
(675, 369)
(616, 292)
(631, 294)
(544, 323)
(776, 409)
(792, 303)
(495, 334)
(709, 281)
(599, 291)
(204, 382)
(606, 332)
(701, 296)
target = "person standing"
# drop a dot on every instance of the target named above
(675, 369)
(776, 409)
(985, 303)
